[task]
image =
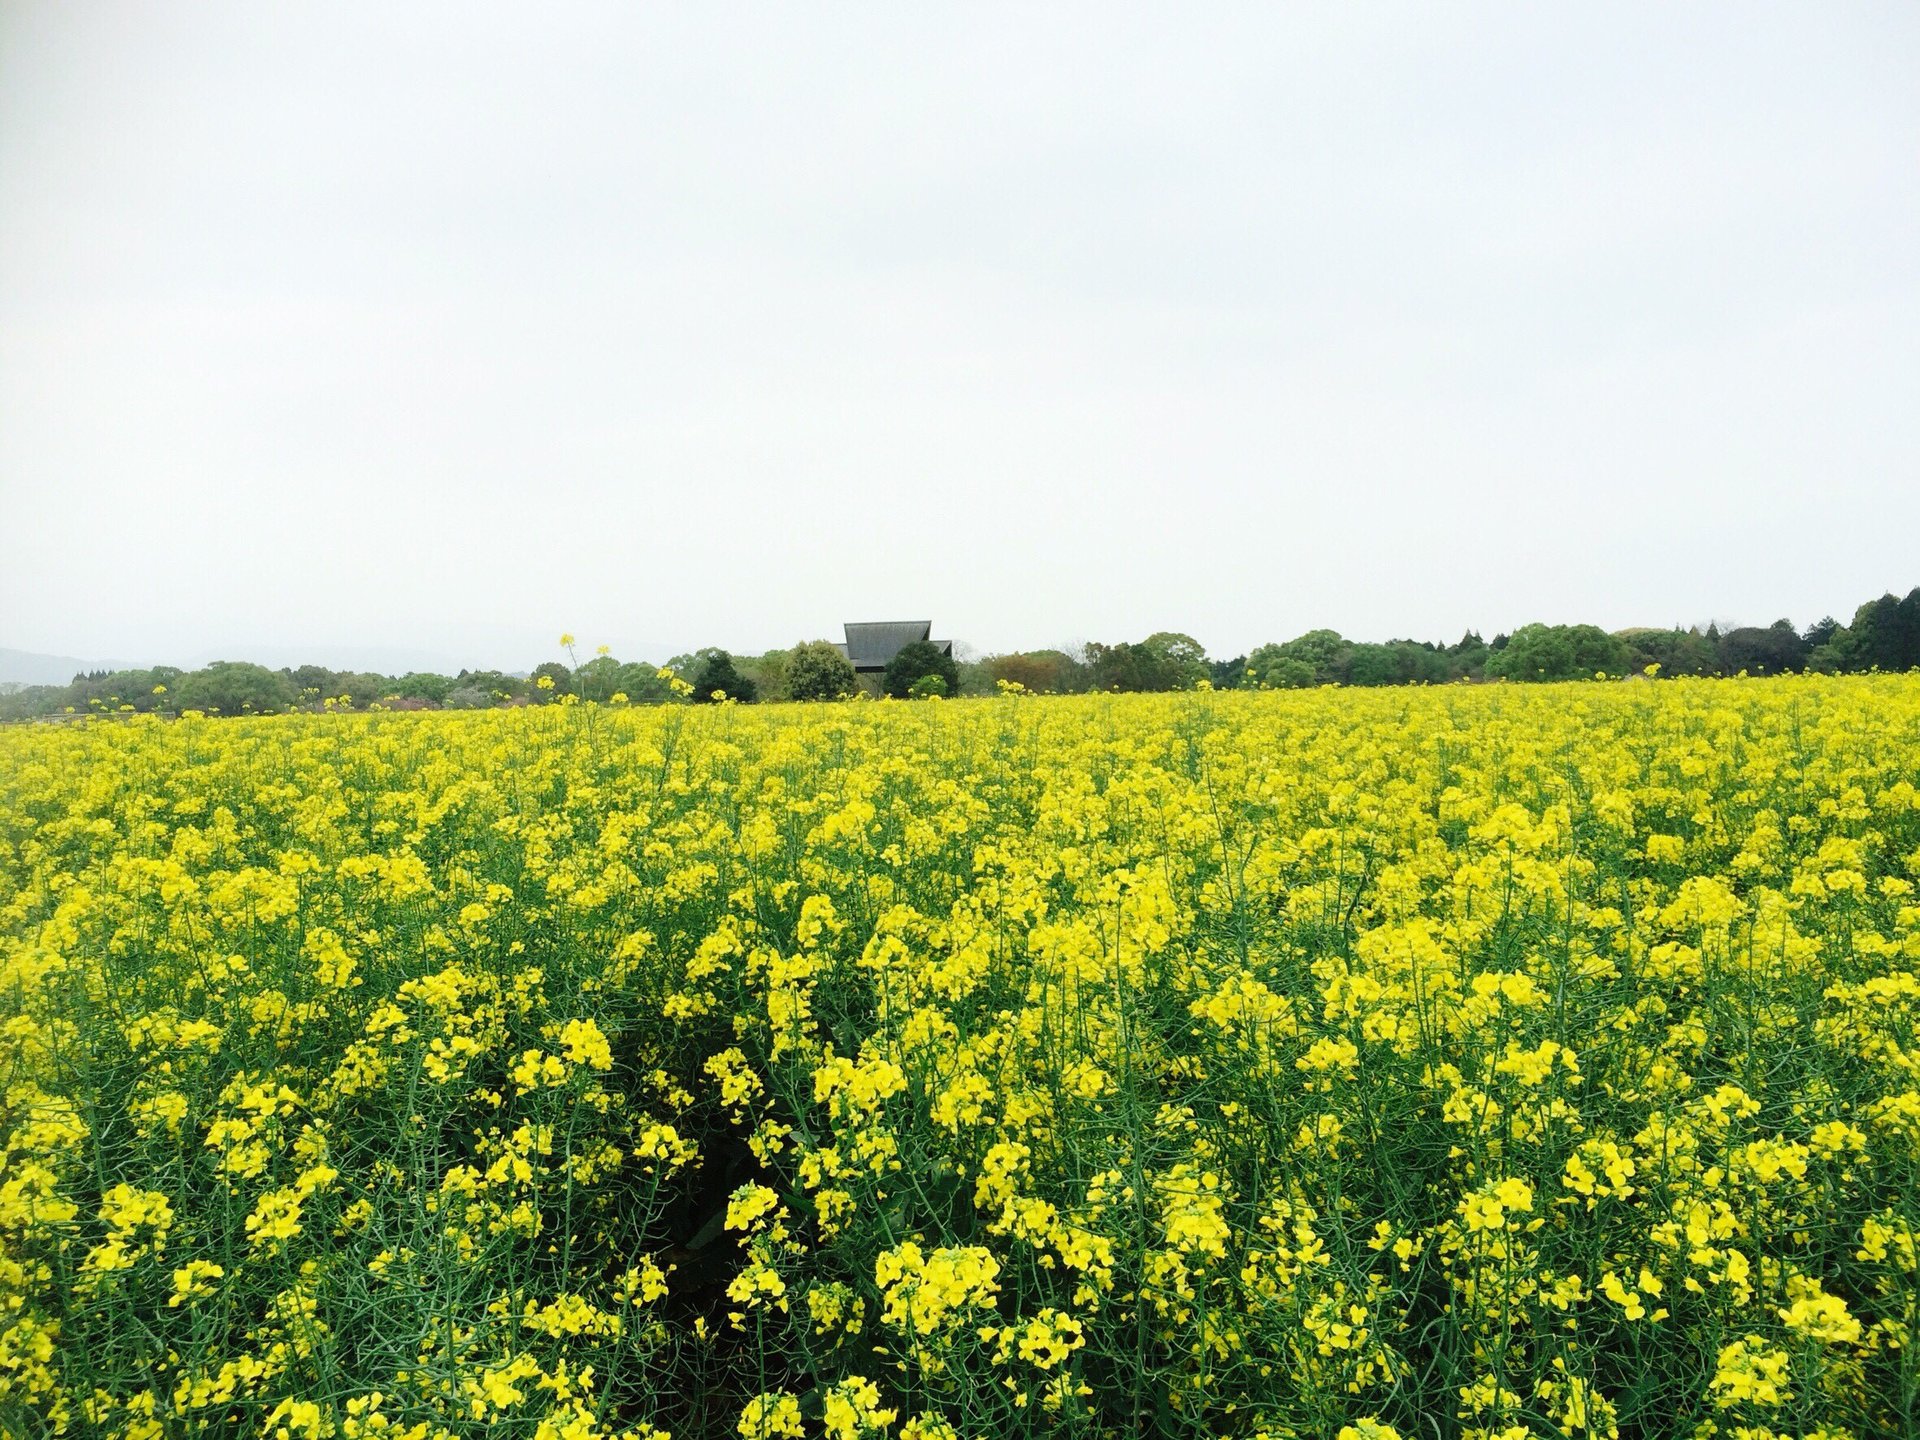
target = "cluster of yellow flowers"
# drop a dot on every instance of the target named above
(1362, 1064)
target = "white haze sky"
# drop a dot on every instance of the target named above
(444, 328)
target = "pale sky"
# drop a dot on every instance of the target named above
(446, 328)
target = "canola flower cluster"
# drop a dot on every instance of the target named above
(1337, 1065)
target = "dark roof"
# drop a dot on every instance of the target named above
(872, 643)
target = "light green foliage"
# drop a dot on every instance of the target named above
(816, 670)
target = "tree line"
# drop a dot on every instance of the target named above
(1884, 634)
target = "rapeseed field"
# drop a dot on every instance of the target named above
(1485, 1062)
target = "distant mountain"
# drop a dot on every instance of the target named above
(24, 667)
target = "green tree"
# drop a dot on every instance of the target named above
(495, 684)
(1315, 658)
(927, 687)
(316, 678)
(598, 679)
(108, 691)
(1398, 662)
(816, 670)
(1821, 632)
(422, 685)
(234, 687)
(1045, 672)
(1559, 652)
(718, 675)
(560, 676)
(1467, 656)
(767, 671)
(1183, 658)
(922, 657)
(1885, 634)
(1676, 652)
(1830, 646)
(640, 682)
(1125, 666)
(1774, 650)
(976, 677)
(1279, 672)
(1228, 674)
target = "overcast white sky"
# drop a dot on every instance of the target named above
(444, 328)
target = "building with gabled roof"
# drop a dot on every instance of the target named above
(870, 644)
